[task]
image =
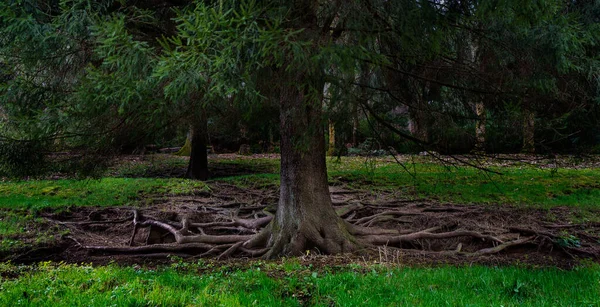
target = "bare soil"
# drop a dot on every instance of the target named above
(229, 214)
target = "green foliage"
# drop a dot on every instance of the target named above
(102, 76)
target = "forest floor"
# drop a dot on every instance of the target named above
(548, 205)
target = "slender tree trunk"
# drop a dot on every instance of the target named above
(331, 149)
(355, 125)
(305, 217)
(528, 130)
(417, 123)
(198, 165)
(475, 58)
(364, 80)
(480, 126)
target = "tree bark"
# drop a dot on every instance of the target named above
(305, 217)
(474, 57)
(417, 123)
(355, 125)
(363, 99)
(198, 165)
(480, 126)
(331, 149)
(528, 130)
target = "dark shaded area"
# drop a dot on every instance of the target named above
(220, 166)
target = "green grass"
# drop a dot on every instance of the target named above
(104, 192)
(149, 165)
(293, 285)
(21, 229)
(527, 186)
(517, 185)
(288, 283)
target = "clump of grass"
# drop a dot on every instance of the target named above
(22, 229)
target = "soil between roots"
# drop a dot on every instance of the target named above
(556, 242)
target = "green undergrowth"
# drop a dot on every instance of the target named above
(253, 181)
(291, 284)
(269, 165)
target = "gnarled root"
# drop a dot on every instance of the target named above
(187, 241)
(265, 236)
(333, 238)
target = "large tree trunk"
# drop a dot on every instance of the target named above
(198, 165)
(305, 218)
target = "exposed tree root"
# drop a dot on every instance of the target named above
(249, 224)
(187, 242)
(154, 248)
(85, 223)
(365, 220)
(248, 232)
(499, 248)
(386, 240)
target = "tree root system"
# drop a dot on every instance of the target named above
(236, 223)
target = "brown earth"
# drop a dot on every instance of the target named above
(538, 237)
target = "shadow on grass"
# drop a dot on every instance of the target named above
(164, 166)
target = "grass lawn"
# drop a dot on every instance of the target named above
(288, 283)
(516, 185)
